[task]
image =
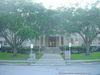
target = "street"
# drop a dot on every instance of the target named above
(69, 69)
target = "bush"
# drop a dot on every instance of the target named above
(6, 49)
(74, 49)
(22, 50)
(95, 48)
(80, 49)
(27, 50)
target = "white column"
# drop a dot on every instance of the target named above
(44, 40)
(64, 41)
(59, 40)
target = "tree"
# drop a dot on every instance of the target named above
(85, 23)
(15, 32)
(13, 27)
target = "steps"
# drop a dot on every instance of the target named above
(52, 50)
(51, 59)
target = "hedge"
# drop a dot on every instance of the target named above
(74, 49)
(80, 49)
(23, 50)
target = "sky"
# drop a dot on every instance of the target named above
(53, 4)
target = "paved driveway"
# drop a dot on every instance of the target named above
(70, 69)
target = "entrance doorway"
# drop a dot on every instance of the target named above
(51, 41)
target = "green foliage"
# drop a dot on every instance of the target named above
(21, 20)
(26, 50)
(74, 49)
(83, 22)
(17, 22)
(22, 50)
(95, 55)
(8, 56)
(25, 32)
(38, 56)
(80, 49)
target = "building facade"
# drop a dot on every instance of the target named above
(58, 40)
(54, 41)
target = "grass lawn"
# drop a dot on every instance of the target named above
(38, 56)
(95, 55)
(9, 56)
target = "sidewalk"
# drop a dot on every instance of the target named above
(65, 60)
(15, 61)
(47, 61)
(81, 61)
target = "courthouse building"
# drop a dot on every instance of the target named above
(58, 40)
(54, 41)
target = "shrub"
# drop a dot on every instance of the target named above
(95, 48)
(80, 49)
(74, 49)
(23, 50)
(6, 49)
(27, 50)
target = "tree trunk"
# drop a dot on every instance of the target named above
(14, 51)
(87, 49)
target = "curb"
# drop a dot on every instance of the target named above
(82, 61)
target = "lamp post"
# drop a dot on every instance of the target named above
(68, 53)
(0, 46)
(32, 56)
(70, 45)
(31, 48)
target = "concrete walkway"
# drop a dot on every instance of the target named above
(51, 59)
(82, 61)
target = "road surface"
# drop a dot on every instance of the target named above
(69, 69)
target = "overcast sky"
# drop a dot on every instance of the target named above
(57, 3)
